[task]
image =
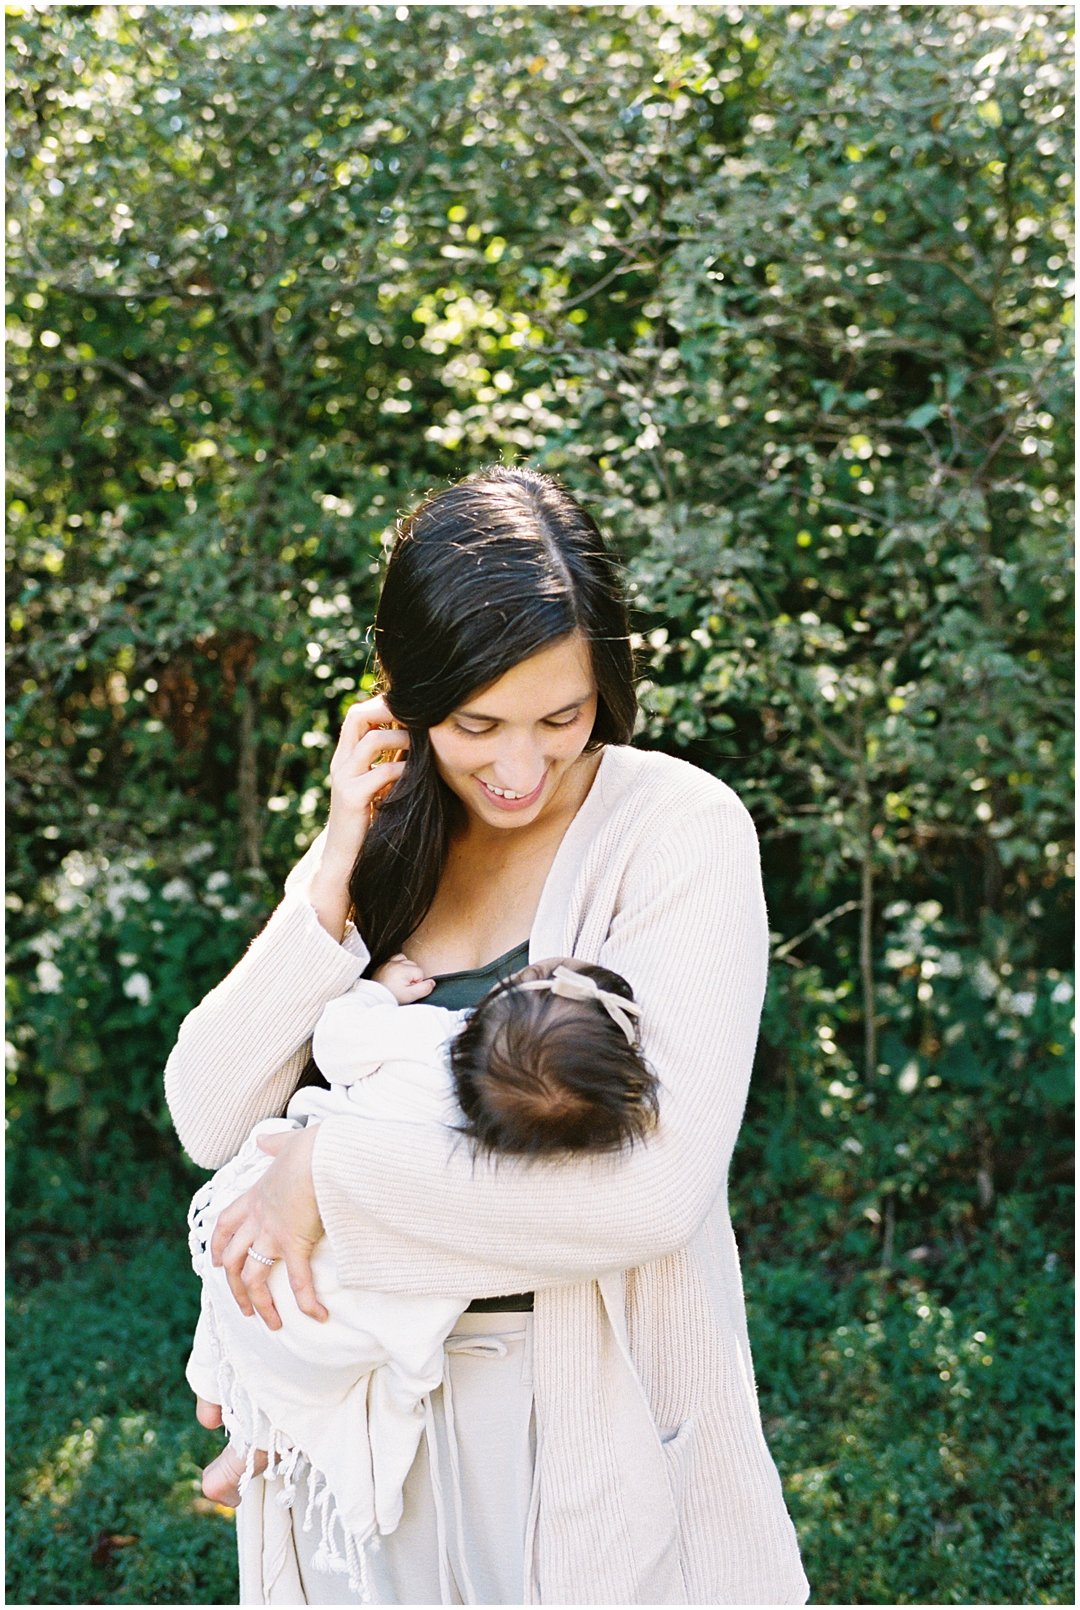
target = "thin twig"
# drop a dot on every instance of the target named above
(815, 927)
(622, 268)
(587, 156)
(114, 368)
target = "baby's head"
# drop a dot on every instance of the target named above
(546, 1064)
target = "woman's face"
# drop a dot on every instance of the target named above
(508, 749)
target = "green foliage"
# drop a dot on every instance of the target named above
(921, 1444)
(924, 1443)
(780, 292)
(138, 950)
(104, 1452)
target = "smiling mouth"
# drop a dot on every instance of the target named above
(506, 800)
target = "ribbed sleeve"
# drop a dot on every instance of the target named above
(239, 1053)
(409, 1210)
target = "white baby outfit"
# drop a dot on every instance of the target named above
(342, 1401)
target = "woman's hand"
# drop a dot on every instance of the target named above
(279, 1217)
(356, 781)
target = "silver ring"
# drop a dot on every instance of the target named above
(269, 1262)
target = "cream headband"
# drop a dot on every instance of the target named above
(574, 986)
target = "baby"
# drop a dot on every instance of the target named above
(547, 1064)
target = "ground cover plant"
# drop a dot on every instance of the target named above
(103, 1449)
(781, 293)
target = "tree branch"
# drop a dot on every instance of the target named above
(782, 952)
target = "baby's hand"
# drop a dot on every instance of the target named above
(404, 979)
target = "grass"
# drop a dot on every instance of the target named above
(921, 1429)
(104, 1451)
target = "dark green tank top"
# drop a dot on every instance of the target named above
(457, 990)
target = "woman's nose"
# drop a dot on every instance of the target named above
(519, 765)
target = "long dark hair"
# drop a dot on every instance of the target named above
(482, 576)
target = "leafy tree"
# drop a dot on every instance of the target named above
(781, 293)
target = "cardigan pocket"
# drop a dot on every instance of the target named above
(675, 1445)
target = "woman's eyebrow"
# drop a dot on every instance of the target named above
(575, 704)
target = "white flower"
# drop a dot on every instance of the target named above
(1023, 1002)
(851, 1145)
(49, 977)
(177, 889)
(984, 979)
(137, 988)
(77, 871)
(951, 965)
(1062, 992)
(909, 1078)
(217, 880)
(124, 888)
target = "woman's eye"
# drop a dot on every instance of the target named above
(474, 732)
(569, 723)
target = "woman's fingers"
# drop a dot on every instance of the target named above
(380, 777)
(298, 1266)
(237, 1231)
(235, 1261)
(363, 754)
(360, 720)
(279, 1218)
(229, 1221)
(256, 1279)
(366, 713)
(248, 1278)
(359, 773)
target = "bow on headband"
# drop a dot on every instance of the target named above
(574, 986)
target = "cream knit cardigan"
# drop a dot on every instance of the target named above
(654, 1482)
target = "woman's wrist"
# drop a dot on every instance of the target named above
(328, 890)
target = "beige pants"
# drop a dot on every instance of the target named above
(486, 1494)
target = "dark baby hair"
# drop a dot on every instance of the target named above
(483, 575)
(537, 1074)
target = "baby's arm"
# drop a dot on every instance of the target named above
(353, 1035)
(404, 979)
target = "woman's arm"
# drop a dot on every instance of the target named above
(240, 1052)
(407, 1210)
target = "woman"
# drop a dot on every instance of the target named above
(604, 1444)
